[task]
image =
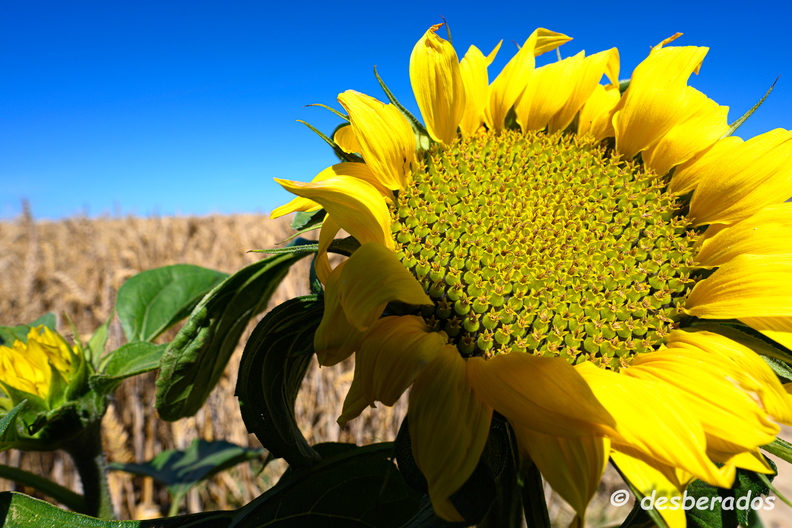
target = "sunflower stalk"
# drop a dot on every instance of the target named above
(89, 459)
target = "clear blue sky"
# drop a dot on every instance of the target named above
(190, 107)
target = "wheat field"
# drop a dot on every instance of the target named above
(74, 268)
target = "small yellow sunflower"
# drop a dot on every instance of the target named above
(552, 255)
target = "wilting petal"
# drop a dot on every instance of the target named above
(744, 179)
(544, 394)
(779, 329)
(335, 339)
(572, 466)
(727, 412)
(746, 286)
(766, 232)
(473, 68)
(657, 99)
(546, 93)
(346, 140)
(449, 426)
(705, 123)
(394, 352)
(750, 371)
(651, 481)
(595, 116)
(373, 277)
(586, 79)
(437, 85)
(669, 434)
(356, 205)
(330, 229)
(511, 81)
(385, 137)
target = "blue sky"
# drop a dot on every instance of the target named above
(190, 107)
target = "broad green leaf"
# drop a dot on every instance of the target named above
(730, 506)
(9, 334)
(129, 360)
(152, 301)
(194, 361)
(359, 487)
(181, 470)
(18, 510)
(272, 368)
(303, 220)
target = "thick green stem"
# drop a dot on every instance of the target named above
(89, 459)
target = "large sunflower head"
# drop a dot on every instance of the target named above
(551, 248)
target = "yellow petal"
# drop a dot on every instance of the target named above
(393, 353)
(355, 402)
(705, 123)
(586, 79)
(766, 232)
(544, 394)
(688, 175)
(745, 179)
(298, 204)
(547, 91)
(669, 434)
(437, 85)
(385, 137)
(657, 98)
(356, 205)
(448, 428)
(779, 329)
(728, 413)
(330, 229)
(752, 461)
(750, 371)
(746, 286)
(572, 466)
(373, 277)
(596, 115)
(653, 483)
(346, 140)
(335, 339)
(511, 81)
(473, 68)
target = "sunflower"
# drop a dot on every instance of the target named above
(550, 248)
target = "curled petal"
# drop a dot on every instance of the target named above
(384, 136)
(330, 229)
(449, 426)
(511, 81)
(473, 68)
(346, 140)
(743, 179)
(657, 99)
(356, 205)
(595, 116)
(556, 402)
(335, 339)
(298, 204)
(572, 466)
(373, 277)
(437, 84)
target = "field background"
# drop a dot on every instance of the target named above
(76, 266)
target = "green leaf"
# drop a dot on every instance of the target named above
(9, 334)
(303, 220)
(8, 430)
(270, 373)
(194, 361)
(181, 470)
(780, 448)
(725, 507)
(360, 487)
(303, 248)
(152, 301)
(18, 510)
(95, 346)
(734, 126)
(127, 361)
(344, 156)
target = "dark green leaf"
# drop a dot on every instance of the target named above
(181, 470)
(303, 220)
(194, 361)
(357, 488)
(18, 510)
(127, 361)
(152, 301)
(270, 373)
(8, 428)
(726, 507)
(9, 334)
